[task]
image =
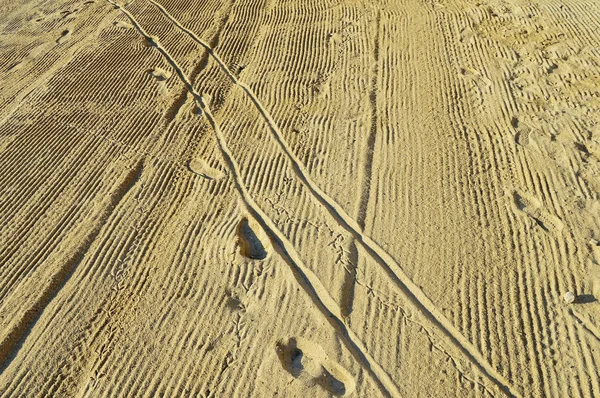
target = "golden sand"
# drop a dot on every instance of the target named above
(300, 198)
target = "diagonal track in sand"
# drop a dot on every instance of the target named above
(586, 324)
(304, 276)
(422, 303)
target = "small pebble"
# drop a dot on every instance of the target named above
(569, 297)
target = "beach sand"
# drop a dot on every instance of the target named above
(299, 198)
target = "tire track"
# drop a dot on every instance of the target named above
(418, 298)
(304, 276)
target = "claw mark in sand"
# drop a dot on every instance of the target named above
(309, 282)
(451, 335)
(308, 362)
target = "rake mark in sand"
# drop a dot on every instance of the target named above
(417, 297)
(303, 275)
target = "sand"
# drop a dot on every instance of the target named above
(239, 198)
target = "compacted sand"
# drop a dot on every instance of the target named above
(299, 198)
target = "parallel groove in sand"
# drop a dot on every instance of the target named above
(485, 188)
(417, 297)
(304, 276)
(12, 339)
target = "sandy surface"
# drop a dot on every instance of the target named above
(300, 198)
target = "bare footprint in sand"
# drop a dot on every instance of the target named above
(526, 136)
(160, 74)
(532, 206)
(307, 361)
(201, 168)
(33, 54)
(479, 85)
(252, 239)
(122, 25)
(64, 36)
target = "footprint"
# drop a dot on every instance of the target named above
(307, 361)
(532, 206)
(335, 38)
(15, 67)
(477, 78)
(529, 134)
(39, 50)
(527, 137)
(479, 85)
(234, 302)
(558, 51)
(467, 36)
(6, 141)
(33, 54)
(201, 168)
(252, 239)
(122, 25)
(160, 74)
(64, 36)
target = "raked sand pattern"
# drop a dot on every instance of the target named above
(240, 198)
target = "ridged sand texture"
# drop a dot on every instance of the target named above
(297, 198)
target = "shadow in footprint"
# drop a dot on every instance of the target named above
(331, 383)
(64, 36)
(291, 357)
(251, 238)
